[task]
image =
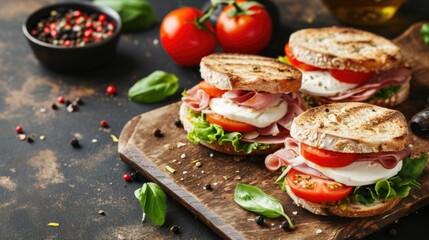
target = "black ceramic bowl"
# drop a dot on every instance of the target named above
(73, 58)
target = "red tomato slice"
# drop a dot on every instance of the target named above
(348, 76)
(211, 90)
(315, 189)
(296, 63)
(229, 124)
(326, 158)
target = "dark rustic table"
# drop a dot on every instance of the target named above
(49, 181)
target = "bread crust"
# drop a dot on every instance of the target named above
(351, 128)
(227, 148)
(249, 72)
(344, 49)
(355, 210)
(396, 99)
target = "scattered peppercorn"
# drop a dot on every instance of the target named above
(175, 229)
(30, 139)
(259, 219)
(19, 129)
(178, 123)
(101, 212)
(69, 27)
(79, 101)
(75, 143)
(60, 99)
(54, 106)
(135, 176)
(72, 107)
(208, 187)
(285, 226)
(104, 124)
(68, 102)
(127, 177)
(157, 133)
(111, 90)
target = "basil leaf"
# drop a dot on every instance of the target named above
(153, 202)
(135, 14)
(413, 167)
(154, 88)
(255, 200)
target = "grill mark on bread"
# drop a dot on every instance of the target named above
(249, 72)
(344, 48)
(352, 127)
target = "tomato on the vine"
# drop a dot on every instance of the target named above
(185, 37)
(244, 27)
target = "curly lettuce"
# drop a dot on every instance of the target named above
(386, 92)
(397, 186)
(207, 132)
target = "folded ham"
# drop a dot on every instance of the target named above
(197, 100)
(289, 155)
(365, 91)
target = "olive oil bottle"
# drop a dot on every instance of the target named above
(363, 12)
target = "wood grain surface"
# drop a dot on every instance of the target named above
(151, 155)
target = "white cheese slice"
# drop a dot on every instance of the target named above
(358, 173)
(321, 83)
(262, 118)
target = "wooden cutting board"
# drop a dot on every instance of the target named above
(151, 156)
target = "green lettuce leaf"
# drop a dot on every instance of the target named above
(207, 132)
(386, 92)
(397, 186)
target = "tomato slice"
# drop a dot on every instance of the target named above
(348, 76)
(229, 124)
(211, 90)
(326, 158)
(315, 189)
(296, 63)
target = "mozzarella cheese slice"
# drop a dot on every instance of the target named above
(357, 173)
(262, 118)
(321, 83)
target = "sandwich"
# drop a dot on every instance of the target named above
(244, 106)
(347, 159)
(348, 65)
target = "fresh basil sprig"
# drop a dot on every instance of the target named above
(424, 32)
(135, 14)
(255, 200)
(153, 202)
(154, 88)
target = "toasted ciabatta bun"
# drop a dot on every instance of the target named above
(349, 210)
(344, 49)
(396, 99)
(352, 128)
(249, 72)
(185, 118)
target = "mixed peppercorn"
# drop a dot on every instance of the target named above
(71, 27)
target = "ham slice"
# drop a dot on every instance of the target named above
(387, 159)
(290, 156)
(255, 100)
(387, 78)
(196, 99)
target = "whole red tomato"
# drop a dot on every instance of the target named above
(244, 27)
(184, 38)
